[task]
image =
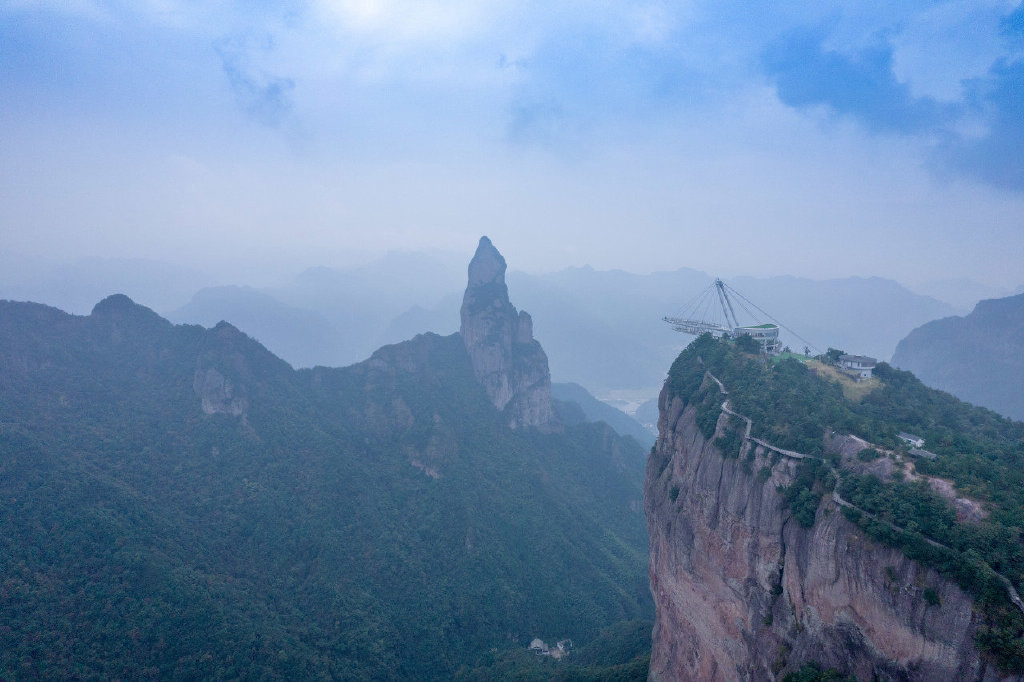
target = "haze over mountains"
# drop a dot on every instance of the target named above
(607, 331)
(978, 358)
(75, 286)
(601, 329)
(258, 420)
(178, 502)
(962, 294)
(188, 504)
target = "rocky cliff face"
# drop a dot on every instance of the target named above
(217, 393)
(744, 592)
(506, 359)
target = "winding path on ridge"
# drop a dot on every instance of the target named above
(838, 499)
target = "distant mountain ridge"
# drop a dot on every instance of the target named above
(77, 285)
(603, 329)
(978, 358)
(305, 338)
(963, 294)
(179, 502)
(593, 410)
(600, 329)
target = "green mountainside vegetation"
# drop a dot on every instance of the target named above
(978, 357)
(981, 452)
(620, 653)
(378, 521)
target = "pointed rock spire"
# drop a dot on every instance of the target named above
(506, 359)
(487, 266)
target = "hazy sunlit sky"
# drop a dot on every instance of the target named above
(810, 138)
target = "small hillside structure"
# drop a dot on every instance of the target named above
(910, 438)
(859, 367)
(562, 648)
(918, 452)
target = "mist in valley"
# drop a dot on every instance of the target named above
(332, 335)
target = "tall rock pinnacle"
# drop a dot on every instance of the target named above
(507, 360)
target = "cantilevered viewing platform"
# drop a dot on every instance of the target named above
(712, 312)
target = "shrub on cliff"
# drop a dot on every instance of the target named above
(803, 495)
(746, 344)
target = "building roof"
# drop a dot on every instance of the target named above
(860, 359)
(910, 436)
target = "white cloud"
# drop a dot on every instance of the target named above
(947, 44)
(86, 8)
(398, 21)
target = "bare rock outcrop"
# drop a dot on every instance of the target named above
(744, 592)
(217, 394)
(506, 359)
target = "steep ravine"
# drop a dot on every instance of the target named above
(744, 592)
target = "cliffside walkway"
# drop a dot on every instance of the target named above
(1010, 589)
(763, 443)
(838, 499)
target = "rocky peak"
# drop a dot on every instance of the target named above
(120, 307)
(506, 359)
(121, 319)
(488, 265)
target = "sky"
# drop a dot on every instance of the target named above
(792, 137)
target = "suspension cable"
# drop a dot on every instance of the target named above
(756, 307)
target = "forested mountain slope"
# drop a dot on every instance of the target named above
(978, 357)
(178, 503)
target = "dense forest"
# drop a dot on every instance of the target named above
(373, 522)
(981, 452)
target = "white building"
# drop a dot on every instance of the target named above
(858, 366)
(765, 334)
(910, 438)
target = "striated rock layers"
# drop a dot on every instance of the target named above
(506, 359)
(744, 592)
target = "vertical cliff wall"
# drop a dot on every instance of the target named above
(506, 358)
(744, 592)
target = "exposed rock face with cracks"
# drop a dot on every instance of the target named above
(506, 358)
(744, 592)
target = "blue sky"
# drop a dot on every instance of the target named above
(816, 139)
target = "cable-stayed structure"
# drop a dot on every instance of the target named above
(713, 311)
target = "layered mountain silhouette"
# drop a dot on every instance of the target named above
(178, 502)
(601, 329)
(978, 358)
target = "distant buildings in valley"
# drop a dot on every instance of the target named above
(560, 649)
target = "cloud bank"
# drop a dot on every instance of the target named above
(602, 130)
